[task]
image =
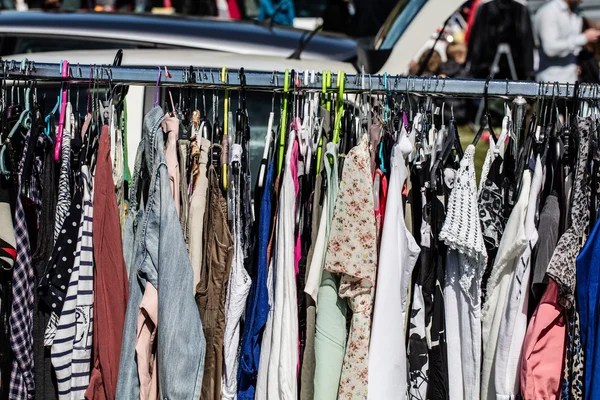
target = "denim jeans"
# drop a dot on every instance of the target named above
(155, 251)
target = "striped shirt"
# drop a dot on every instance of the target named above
(72, 347)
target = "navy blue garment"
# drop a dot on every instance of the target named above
(588, 276)
(257, 309)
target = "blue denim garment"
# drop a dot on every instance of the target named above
(160, 256)
(257, 309)
(128, 384)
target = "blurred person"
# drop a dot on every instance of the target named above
(501, 22)
(357, 18)
(471, 19)
(559, 30)
(431, 64)
(207, 8)
(456, 57)
(587, 59)
(455, 67)
(369, 16)
(338, 15)
(280, 12)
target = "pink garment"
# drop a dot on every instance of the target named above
(294, 172)
(145, 346)
(380, 211)
(298, 247)
(234, 10)
(170, 126)
(544, 348)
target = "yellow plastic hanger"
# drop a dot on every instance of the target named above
(339, 107)
(225, 125)
(286, 88)
(325, 84)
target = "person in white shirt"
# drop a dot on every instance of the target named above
(558, 28)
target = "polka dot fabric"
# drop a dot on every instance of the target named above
(53, 284)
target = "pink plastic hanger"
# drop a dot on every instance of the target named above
(63, 106)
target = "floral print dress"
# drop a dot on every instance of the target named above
(352, 253)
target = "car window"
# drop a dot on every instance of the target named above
(37, 44)
(309, 8)
(397, 22)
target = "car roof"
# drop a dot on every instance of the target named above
(242, 37)
(185, 58)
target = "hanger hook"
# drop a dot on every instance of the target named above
(485, 93)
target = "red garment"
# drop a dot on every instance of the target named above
(234, 10)
(471, 20)
(383, 190)
(110, 280)
(544, 348)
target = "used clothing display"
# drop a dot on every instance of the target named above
(368, 262)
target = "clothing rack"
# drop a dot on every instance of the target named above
(26, 70)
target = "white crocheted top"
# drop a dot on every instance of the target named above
(462, 229)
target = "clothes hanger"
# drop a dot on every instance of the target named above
(206, 127)
(451, 142)
(216, 137)
(265, 158)
(63, 105)
(325, 84)
(487, 121)
(121, 90)
(283, 127)
(226, 125)
(339, 109)
(23, 124)
(241, 114)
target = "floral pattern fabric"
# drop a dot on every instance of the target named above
(572, 381)
(562, 267)
(352, 253)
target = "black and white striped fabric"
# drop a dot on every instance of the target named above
(72, 346)
(64, 187)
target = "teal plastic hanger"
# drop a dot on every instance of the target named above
(48, 127)
(25, 121)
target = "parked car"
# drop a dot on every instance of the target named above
(406, 30)
(36, 31)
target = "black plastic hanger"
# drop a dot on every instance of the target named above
(486, 123)
(120, 91)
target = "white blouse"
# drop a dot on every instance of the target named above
(398, 256)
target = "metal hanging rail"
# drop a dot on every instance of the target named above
(211, 78)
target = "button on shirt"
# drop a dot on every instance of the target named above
(559, 32)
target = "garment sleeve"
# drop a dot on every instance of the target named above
(553, 44)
